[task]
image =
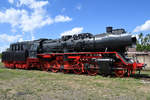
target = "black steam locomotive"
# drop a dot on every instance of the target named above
(81, 53)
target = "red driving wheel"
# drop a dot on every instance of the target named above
(65, 71)
(92, 69)
(77, 68)
(55, 67)
(119, 72)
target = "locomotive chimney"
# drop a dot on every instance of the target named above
(109, 29)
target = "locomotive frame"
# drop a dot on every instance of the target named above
(78, 63)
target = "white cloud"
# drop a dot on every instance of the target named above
(9, 38)
(61, 18)
(143, 27)
(11, 16)
(33, 4)
(28, 21)
(20, 39)
(11, 1)
(32, 36)
(37, 19)
(75, 30)
(25, 20)
(13, 30)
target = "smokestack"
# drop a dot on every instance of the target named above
(109, 29)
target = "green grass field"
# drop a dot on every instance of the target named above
(39, 85)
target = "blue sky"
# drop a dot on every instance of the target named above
(33, 19)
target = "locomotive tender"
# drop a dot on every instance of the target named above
(81, 53)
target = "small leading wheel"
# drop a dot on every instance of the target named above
(119, 72)
(55, 67)
(92, 69)
(78, 68)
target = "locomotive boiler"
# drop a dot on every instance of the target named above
(79, 53)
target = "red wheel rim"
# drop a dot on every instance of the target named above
(65, 71)
(45, 67)
(55, 67)
(54, 70)
(78, 68)
(17, 66)
(92, 70)
(119, 73)
(7, 65)
(11, 65)
(25, 66)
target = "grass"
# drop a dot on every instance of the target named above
(39, 85)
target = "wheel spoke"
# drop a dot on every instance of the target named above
(55, 67)
(78, 68)
(45, 67)
(92, 69)
(119, 72)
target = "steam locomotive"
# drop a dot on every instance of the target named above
(79, 53)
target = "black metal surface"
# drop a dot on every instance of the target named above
(114, 40)
(86, 42)
(14, 56)
(105, 67)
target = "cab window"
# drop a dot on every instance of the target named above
(21, 47)
(13, 46)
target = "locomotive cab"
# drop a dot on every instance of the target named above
(33, 50)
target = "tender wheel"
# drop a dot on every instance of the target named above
(92, 69)
(20, 66)
(12, 65)
(25, 66)
(6, 65)
(78, 68)
(17, 66)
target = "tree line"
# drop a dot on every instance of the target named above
(143, 42)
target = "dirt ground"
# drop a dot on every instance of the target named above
(39, 85)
